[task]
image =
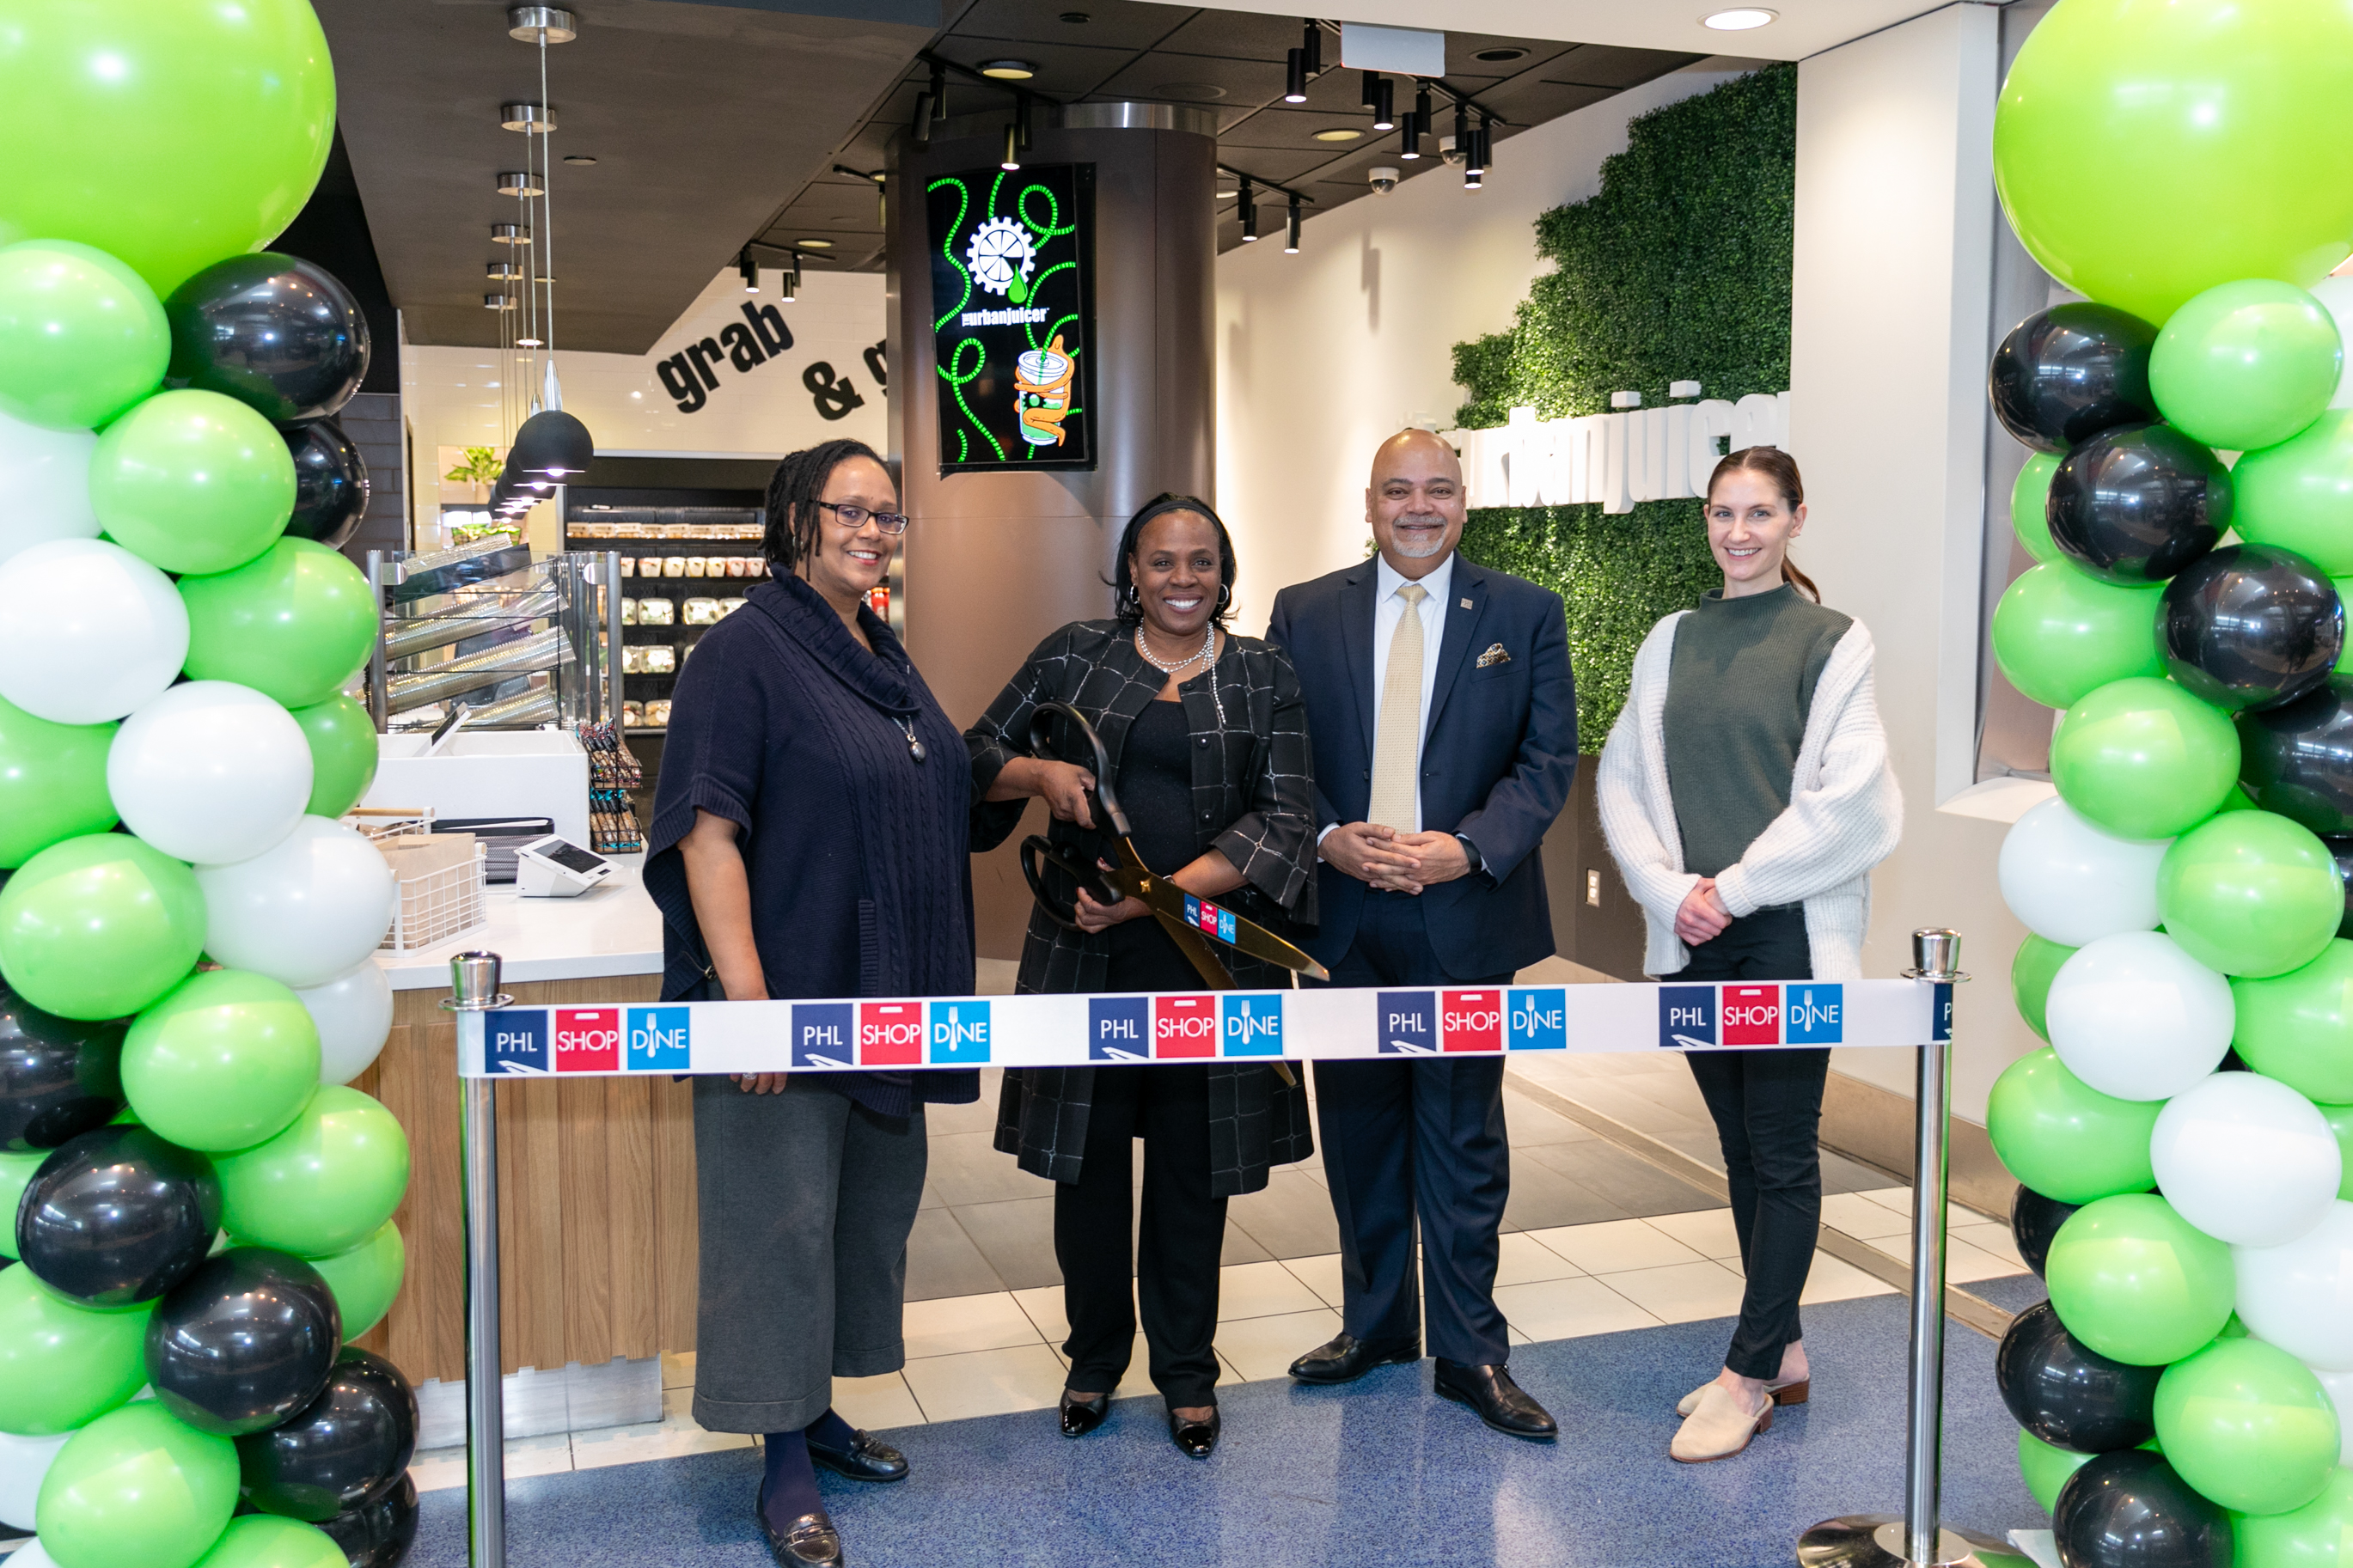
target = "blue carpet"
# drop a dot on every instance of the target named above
(2011, 1292)
(1378, 1472)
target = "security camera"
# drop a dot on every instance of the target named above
(1383, 180)
(1449, 151)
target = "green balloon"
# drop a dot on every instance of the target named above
(2246, 364)
(269, 1540)
(2340, 1122)
(98, 926)
(2065, 1138)
(2248, 1425)
(82, 337)
(2318, 1535)
(52, 782)
(2298, 1028)
(323, 1186)
(192, 481)
(169, 135)
(2031, 971)
(2059, 633)
(2296, 495)
(2251, 893)
(2143, 759)
(367, 1279)
(2046, 1467)
(2028, 509)
(343, 753)
(63, 1365)
(294, 623)
(2238, 800)
(2146, 154)
(2136, 1282)
(226, 1060)
(137, 1489)
(16, 1168)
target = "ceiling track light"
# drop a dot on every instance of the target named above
(1366, 82)
(532, 118)
(1310, 44)
(509, 233)
(939, 94)
(1294, 76)
(1291, 245)
(1409, 136)
(1384, 104)
(541, 24)
(520, 183)
(750, 270)
(1417, 124)
(1011, 161)
(1248, 211)
(789, 282)
(1482, 145)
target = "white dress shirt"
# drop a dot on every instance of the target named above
(1388, 610)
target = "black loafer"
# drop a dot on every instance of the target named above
(809, 1542)
(1080, 1416)
(868, 1458)
(1499, 1402)
(1195, 1439)
(1347, 1357)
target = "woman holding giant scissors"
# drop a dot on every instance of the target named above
(1206, 737)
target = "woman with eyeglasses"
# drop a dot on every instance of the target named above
(809, 839)
(1206, 737)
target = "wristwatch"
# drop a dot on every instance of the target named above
(1471, 851)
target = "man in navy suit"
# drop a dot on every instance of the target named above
(1444, 721)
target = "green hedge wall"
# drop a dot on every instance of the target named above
(1678, 270)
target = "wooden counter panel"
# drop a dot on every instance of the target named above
(596, 1196)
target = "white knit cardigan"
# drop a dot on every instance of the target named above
(1845, 813)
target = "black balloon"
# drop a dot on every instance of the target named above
(118, 1215)
(2250, 625)
(270, 331)
(2068, 1394)
(378, 1535)
(59, 1078)
(2341, 851)
(2297, 759)
(341, 1451)
(2131, 1510)
(2034, 1221)
(2066, 373)
(2136, 504)
(244, 1342)
(331, 483)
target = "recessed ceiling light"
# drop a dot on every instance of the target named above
(1008, 70)
(1339, 133)
(1739, 19)
(581, 159)
(1499, 56)
(814, 242)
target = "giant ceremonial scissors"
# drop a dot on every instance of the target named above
(1191, 922)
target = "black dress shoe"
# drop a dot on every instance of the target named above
(1347, 1357)
(867, 1458)
(809, 1542)
(1501, 1403)
(1080, 1416)
(1195, 1439)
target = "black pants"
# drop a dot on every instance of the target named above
(1176, 1252)
(1411, 1138)
(1767, 1106)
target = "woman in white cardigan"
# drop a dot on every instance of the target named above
(1746, 795)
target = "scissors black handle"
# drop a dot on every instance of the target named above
(1036, 848)
(1097, 761)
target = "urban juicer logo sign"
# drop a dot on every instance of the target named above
(1013, 305)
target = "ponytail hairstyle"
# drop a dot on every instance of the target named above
(1782, 469)
(794, 491)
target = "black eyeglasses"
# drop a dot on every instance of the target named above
(854, 516)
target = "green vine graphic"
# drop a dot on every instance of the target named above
(958, 378)
(947, 246)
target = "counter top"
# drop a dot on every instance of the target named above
(612, 928)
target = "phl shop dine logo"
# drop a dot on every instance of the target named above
(890, 1033)
(1709, 1017)
(1436, 1023)
(1180, 1028)
(589, 1039)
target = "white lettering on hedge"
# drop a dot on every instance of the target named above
(1614, 459)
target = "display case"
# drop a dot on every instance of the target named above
(518, 639)
(682, 570)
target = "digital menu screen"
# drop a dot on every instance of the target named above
(1013, 314)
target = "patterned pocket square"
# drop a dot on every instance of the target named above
(1494, 655)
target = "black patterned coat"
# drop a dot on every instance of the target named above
(1254, 799)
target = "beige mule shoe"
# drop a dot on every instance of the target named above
(1794, 1391)
(1719, 1428)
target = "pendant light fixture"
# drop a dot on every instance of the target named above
(1247, 209)
(1291, 245)
(549, 445)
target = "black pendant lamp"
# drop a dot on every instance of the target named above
(552, 447)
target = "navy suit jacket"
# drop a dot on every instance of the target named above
(1498, 755)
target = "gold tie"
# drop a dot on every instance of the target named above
(1397, 740)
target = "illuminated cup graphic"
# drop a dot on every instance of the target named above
(1042, 391)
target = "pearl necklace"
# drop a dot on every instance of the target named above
(1208, 644)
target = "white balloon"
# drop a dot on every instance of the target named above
(88, 631)
(2135, 1017)
(2339, 1385)
(2336, 295)
(44, 485)
(2299, 1294)
(2071, 883)
(353, 1012)
(210, 772)
(2246, 1159)
(303, 912)
(22, 1462)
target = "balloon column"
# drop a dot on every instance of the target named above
(2186, 1395)
(199, 1206)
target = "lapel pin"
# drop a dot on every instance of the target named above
(1466, 603)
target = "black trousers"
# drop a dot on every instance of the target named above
(1176, 1251)
(1415, 1137)
(1767, 1107)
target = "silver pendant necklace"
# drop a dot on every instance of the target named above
(1208, 642)
(914, 747)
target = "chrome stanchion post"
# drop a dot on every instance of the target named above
(1918, 1538)
(474, 988)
